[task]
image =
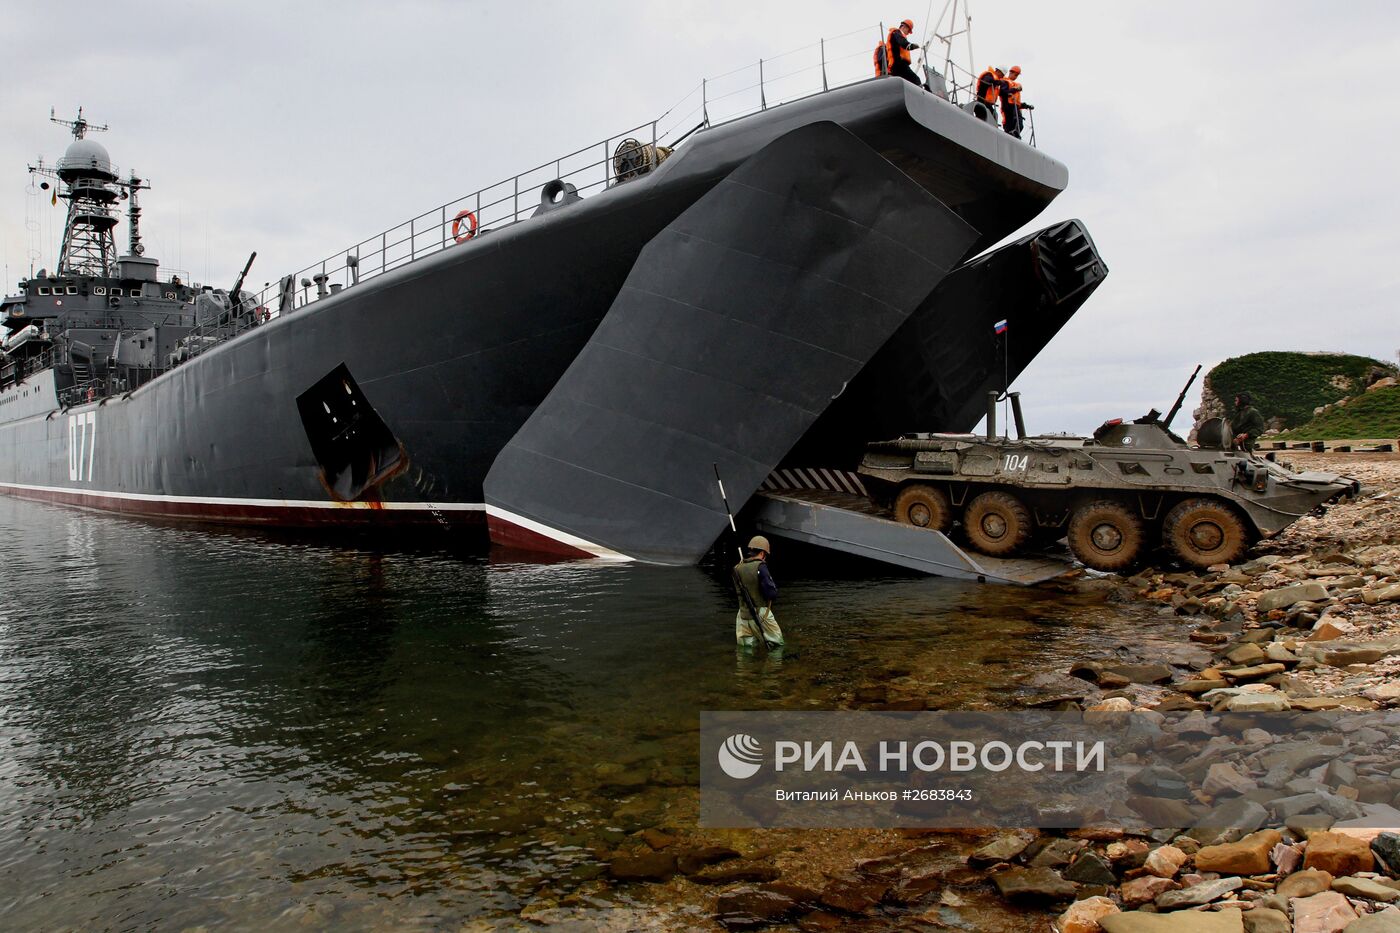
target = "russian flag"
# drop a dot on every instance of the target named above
(1001, 326)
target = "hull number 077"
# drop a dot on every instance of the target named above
(82, 446)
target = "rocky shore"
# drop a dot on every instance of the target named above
(1300, 840)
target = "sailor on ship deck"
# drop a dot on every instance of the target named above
(1011, 105)
(898, 48)
(989, 86)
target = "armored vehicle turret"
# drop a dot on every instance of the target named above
(1116, 495)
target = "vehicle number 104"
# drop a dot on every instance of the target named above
(1015, 463)
(82, 445)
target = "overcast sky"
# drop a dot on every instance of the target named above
(1232, 161)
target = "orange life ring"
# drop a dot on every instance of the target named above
(92, 393)
(457, 233)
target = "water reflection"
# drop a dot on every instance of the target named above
(200, 726)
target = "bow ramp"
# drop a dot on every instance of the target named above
(853, 525)
(737, 326)
(935, 372)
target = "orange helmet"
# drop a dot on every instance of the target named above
(909, 23)
(1015, 70)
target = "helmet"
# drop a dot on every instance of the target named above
(1015, 70)
(759, 543)
(909, 23)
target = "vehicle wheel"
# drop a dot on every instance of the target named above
(924, 506)
(1106, 535)
(1202, 532)
(997, 524)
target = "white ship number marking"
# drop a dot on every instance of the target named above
(82, 445)
(1015, 463)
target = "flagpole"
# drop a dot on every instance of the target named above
(1002, 330)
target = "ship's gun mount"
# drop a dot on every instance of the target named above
(236, 294)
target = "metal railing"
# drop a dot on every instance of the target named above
(94, 380)
(799, 74)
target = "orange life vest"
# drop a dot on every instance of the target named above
(1013, 94)
(988, 86)
(896, 55)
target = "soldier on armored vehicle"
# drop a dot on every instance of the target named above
(1114, 496)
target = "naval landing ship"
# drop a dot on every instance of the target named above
(565, 356)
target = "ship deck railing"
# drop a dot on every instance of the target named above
(800, 74)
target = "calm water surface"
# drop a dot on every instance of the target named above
(200, 727)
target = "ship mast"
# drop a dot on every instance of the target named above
(133, 214)
(87, 180)
(954, 22)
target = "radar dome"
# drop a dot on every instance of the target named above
(86, 157)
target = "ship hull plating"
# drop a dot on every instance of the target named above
(454, 352)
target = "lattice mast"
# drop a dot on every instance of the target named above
(87, 180)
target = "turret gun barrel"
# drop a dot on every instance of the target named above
(1167, 423)
(235, 303)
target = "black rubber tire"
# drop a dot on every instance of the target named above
(1205, 531)
(1106, 535)
(997, 524)
(924, 506)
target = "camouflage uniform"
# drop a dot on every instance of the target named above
(1250, 423)
(752, 574)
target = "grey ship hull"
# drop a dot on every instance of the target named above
(455, 351)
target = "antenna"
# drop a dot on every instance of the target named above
(79, 126)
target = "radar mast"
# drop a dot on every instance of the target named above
(86, 178)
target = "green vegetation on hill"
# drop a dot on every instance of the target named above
(1291, 385)
(1375, 414)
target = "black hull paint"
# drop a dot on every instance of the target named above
(739, 323)
(455, 351)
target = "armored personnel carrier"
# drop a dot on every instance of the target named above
(1115, 495)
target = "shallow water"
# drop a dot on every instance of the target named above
(201, 727)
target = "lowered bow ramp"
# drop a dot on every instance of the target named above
(935, 372)
(739, 323)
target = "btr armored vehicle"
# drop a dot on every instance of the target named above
(1114, 495)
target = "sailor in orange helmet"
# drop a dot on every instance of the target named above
(1011, 105)
(989, 87)
(897, 49)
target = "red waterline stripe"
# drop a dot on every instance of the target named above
(256, 511)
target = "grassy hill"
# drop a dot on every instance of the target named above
(1374, 414)
(1291, 385)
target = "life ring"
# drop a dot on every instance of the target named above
(457, 233)
(92, 393)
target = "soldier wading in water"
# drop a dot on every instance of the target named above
(756, 590)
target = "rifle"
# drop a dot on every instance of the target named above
(1167, 423)
(734, 574)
